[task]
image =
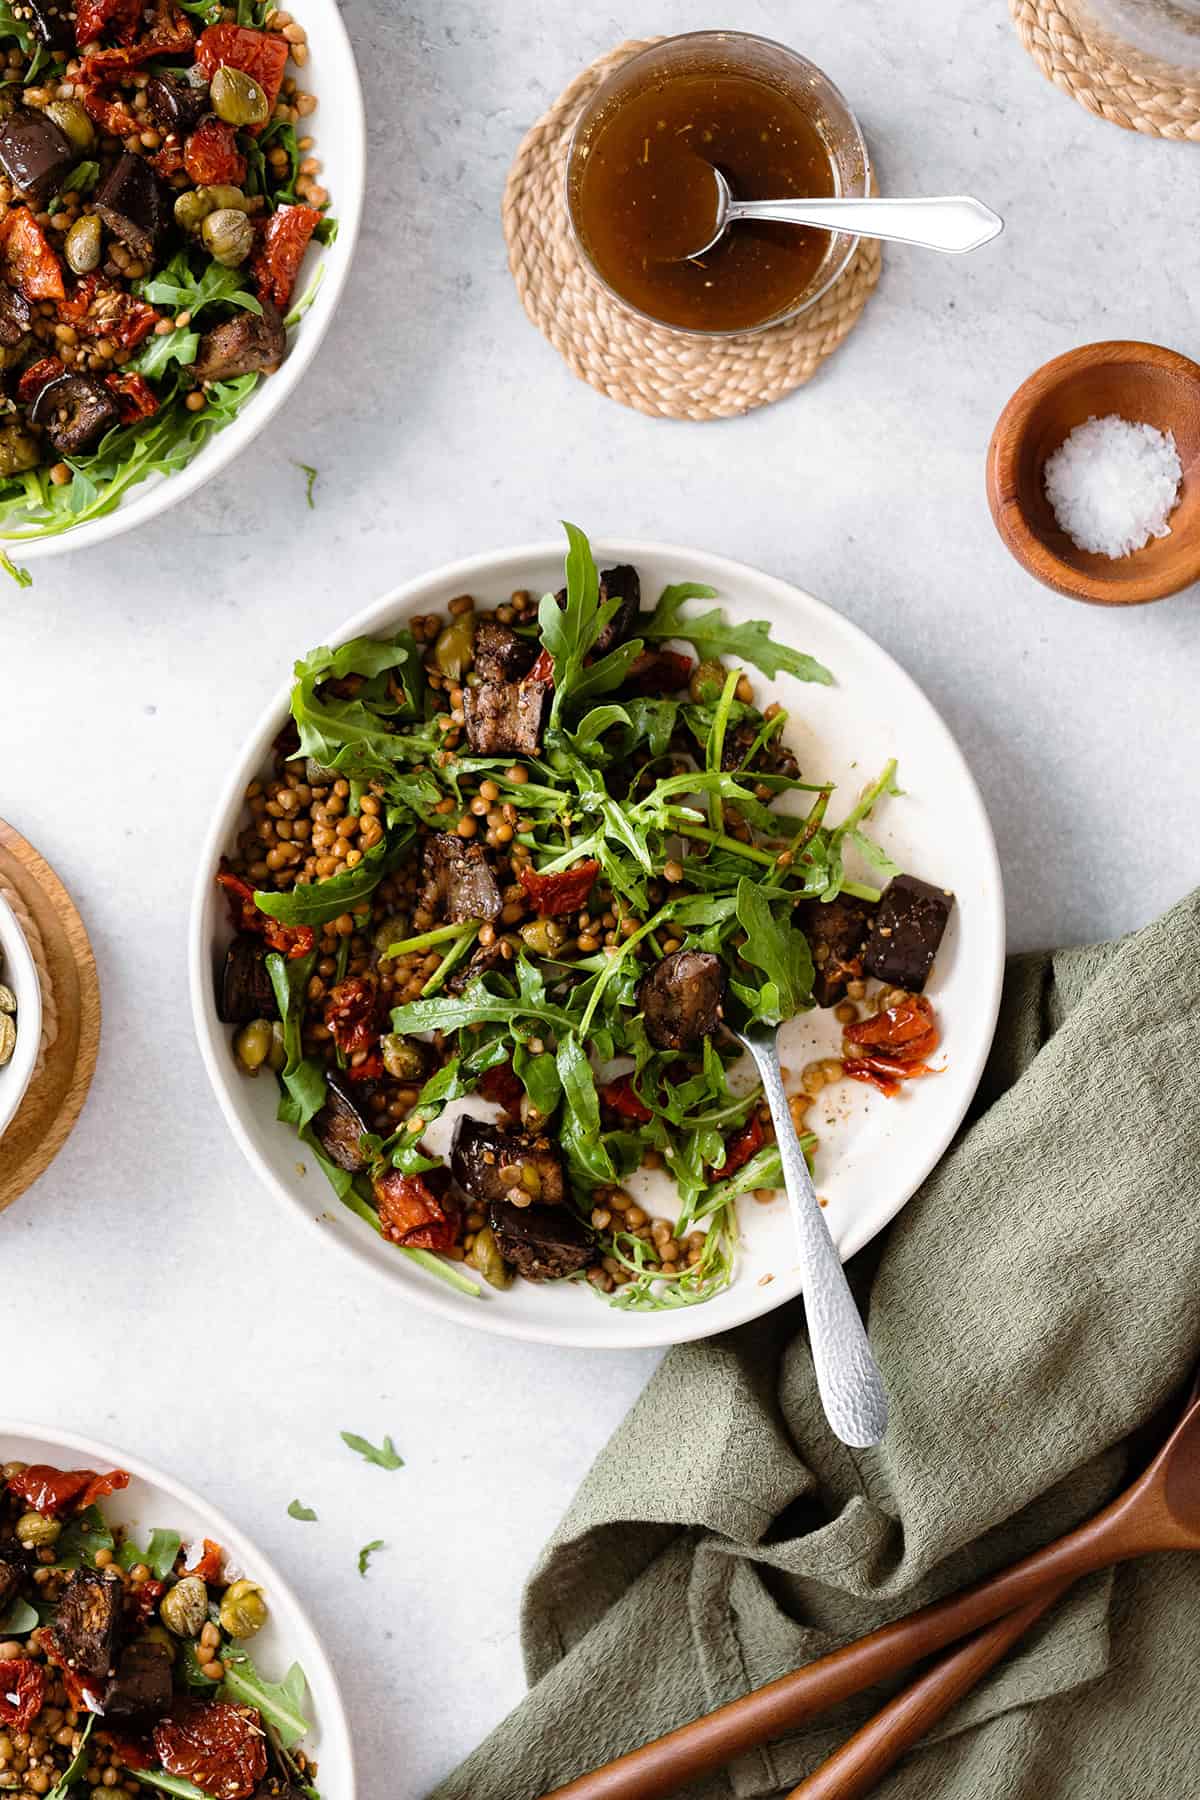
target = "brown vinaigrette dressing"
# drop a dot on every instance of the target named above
(643, 194)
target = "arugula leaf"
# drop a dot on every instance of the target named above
(180, 346)
(280, 1702)
(159, 1555)
(780, 951)
(19, 1620)
(579, 1130)
(570, 631)
(167, 1784)
(76, 1768)
(303, 1079)
(712, 637)
(319, 901)
(305, 1513)
(384, 1458)
(19, 28)
(82, 179)
(367, 1552)
(80, 1539)
(178, 288)
(191, 1673)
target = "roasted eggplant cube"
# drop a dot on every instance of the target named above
(142, 1686)
(544, 1243)
(35, 155)
(505, 718)
(836, 934)
(465, 883)
(10, 1581)
(242, 346)
(339, 1126)
(54, 23)
(489, 1164)
(245, 991)
(75, 412)
(500, 655)
(487, 958)
(132, 204)
(772, 758)
(177, 106)
(909, 923)
(681, 999)
(16, 320)
(85, 1624)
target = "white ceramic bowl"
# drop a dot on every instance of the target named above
(155, 1500)
(339, 127)
(876, 1152)
(17, 972)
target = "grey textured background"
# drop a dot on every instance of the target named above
(221, 1343)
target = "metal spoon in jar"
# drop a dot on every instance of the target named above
(848, 1376)
(954, 223)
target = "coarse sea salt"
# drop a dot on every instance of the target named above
(1113, 484)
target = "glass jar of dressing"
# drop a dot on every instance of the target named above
(640, 188)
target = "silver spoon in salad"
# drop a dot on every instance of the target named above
(952, 223)
(851, 1386)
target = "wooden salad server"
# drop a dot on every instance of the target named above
(1159, 1511)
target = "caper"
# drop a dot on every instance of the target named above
(543, 936)
(485, 1256)
(71, 119)
(455, 649)
(393, 930)
(83, 246)
(243, 1609)
(402, 1057)
(192, 207)
(277, 1054)
(223, 196)
(35, 1532)
(252, 1045)
(19, 449)
(707, 681)
(8, 1000)
(8, 1038)
(229, 236)
(237, 98)
(183, 1609)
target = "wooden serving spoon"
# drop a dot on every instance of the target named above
(1159, 1511)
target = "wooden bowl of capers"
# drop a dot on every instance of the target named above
(20, 1015)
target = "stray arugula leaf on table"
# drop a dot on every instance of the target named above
(367, 1552)
(298, 1511)
(385, 1457)
(310, 481)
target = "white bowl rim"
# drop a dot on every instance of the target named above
(143, 504)
(19, 1071)
(226, 1533)
(637, 1330)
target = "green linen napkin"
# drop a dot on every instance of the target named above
(1032, 1306)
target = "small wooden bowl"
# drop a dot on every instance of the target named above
(1142, 382)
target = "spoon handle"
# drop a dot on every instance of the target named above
(954, 223)
(848, 1377)
(863, 1760)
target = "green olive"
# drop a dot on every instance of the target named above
(237, 98)
(393, 930)
(225, 197)
(183, 1609)
(229, 236)
(543, 936)
(277, 1054)
(19, 449)
(707, 682)
(192, 207)
(35, 1532)
(403, 1057)
(71, 119)
(252, 1045)
(485, 1256)
(454, 651)
(84, 246)
(243, 1609)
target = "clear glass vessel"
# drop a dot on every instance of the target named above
(1160, 36)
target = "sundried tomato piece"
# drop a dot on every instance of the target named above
(291, 941)
(22, 1692)
(502, 1087)
(140, 1601)
(621, 1097)
(370, 1069)
(211, 155)
(895, 1043)
(27, 260)
(135, 1753)
(210, 1566)
(411, 1213)
(168, 161)
(134, 395)
(37, 376)
(352, 1013)
(543, 669)
(262, 54)
(658, 672)
(221, 1748)
(284, 239)
(97, 309)
(93, 17)
(54, 1492)
(740, 1146)
(563, 892)
(169, 35)
(110, 110)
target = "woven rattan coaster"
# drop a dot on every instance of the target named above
(660, 372)
(1148, 98)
